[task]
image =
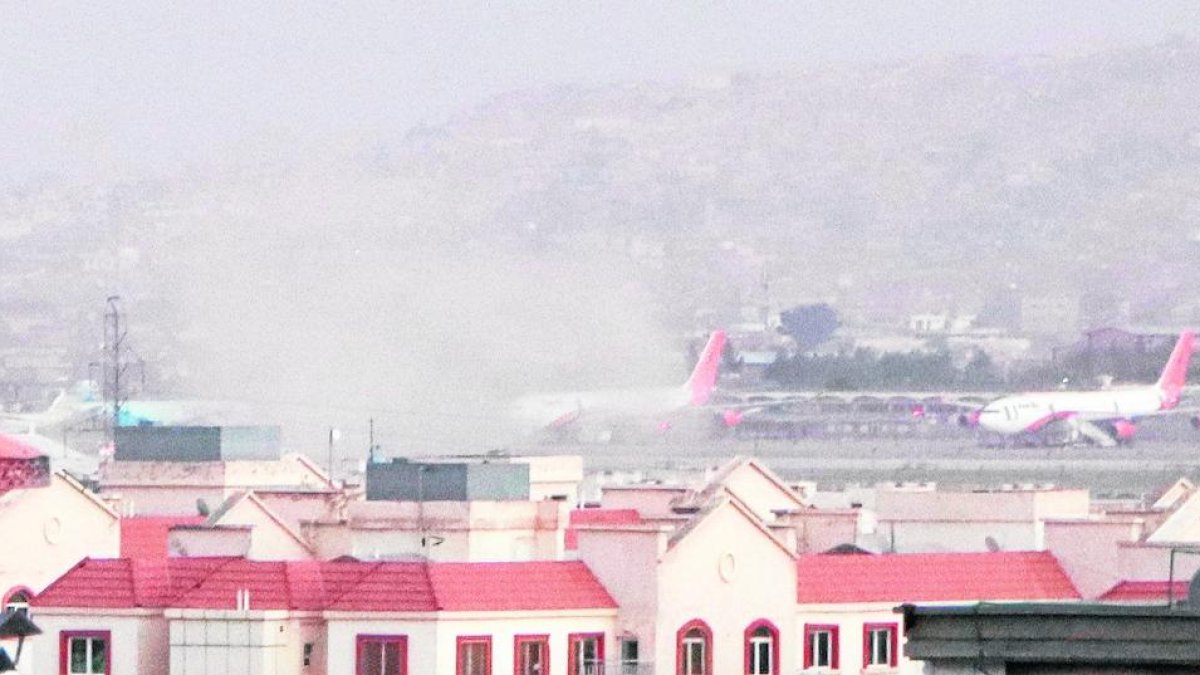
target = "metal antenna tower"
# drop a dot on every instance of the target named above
(115, 365)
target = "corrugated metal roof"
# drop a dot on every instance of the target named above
(931, 577)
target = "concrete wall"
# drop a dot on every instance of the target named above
(625, 561)
(437, 481)
(269, 540)
(764, 495)
(47, 530)
(959, 537)
(207, 542)
(647, 500)
(850, 620)
(432, 647)
(1088, 550)
(216, 642)
(129, 634)
(727, 573)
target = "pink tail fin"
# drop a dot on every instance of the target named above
(1175, 373)
(704, 375)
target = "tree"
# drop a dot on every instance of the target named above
(809, 325)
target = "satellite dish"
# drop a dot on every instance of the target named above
(991, 544)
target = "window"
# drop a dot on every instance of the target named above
(474, 655)
(879, 645)
(762, 648)
(84, 653)
(382, 655)
(629, 655)
(585, 654)
(532, 654)
(821, 647)
(694, 649)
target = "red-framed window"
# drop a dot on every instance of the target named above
(821, 646)
(85, 652)
(473, 655)
(531, 655)
(693, 649)
(880, 642)
(381, 655)
(585, 654)
(762, 648)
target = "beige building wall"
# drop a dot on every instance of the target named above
(49, 529)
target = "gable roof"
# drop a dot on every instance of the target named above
(214, 583)
(248, 496)
(931, 577)
(1146, 591)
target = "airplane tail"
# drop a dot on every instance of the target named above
(704, 376)
(1175, 373)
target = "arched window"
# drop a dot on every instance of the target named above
(693, 649)
(762, 648)
(17, 600)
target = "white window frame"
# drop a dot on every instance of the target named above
(762, 646)
(822, 658)
(88, 653)
(700, 642)
(874, 635)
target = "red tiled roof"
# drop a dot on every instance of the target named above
(931, 577)
(126, 583)
(145, 537)
(1146, 591)
(213, 583)
(597, 517)
(11, 448)
(389, 587)
(517, 586)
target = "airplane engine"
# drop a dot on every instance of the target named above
(731, 418)
(970, 419)
(1124, 430)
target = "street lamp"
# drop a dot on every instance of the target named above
(15, 624)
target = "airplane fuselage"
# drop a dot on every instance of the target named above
(1031, 412)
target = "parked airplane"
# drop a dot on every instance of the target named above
(1105, 417)
(651, 408)
(70, 406)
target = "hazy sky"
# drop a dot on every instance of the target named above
(97, 90)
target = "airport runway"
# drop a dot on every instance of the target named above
(1121, 471)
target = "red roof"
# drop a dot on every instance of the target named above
(213, 583)
(597, 517)
(931, 577)
(1146, 591)
(145, 537)
(11, 448)
(517, 586)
